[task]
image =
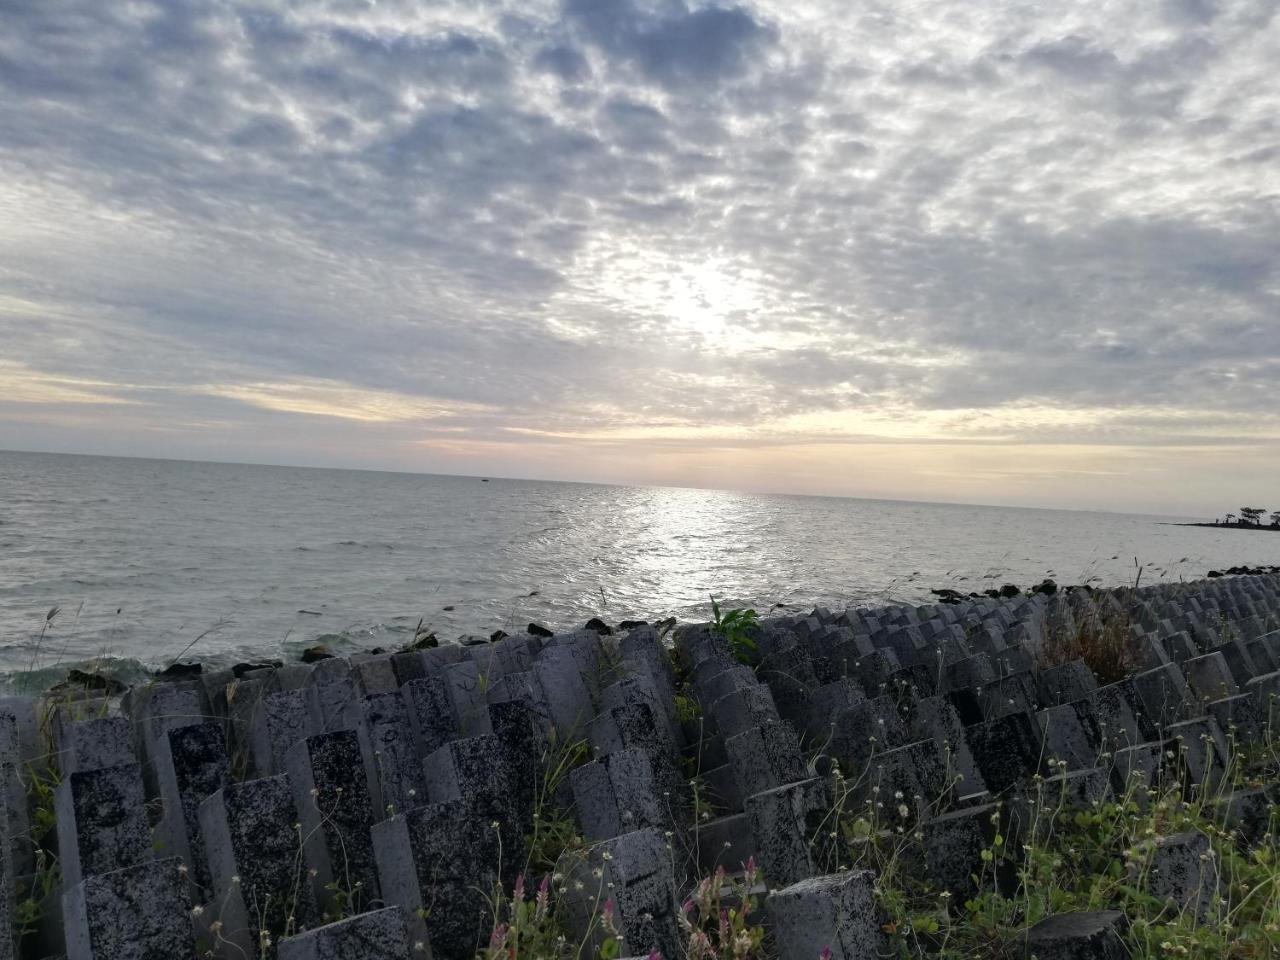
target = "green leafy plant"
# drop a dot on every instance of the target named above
(736, 627)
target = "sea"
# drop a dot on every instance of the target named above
(133, 564)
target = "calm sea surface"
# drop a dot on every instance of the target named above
(148, 559)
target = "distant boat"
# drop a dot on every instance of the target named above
(484, 479)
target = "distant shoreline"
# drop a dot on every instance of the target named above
(1224, 526)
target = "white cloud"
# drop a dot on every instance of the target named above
(643, 220)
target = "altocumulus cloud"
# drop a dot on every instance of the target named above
(853, 247)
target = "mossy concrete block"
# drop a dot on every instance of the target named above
(331, 792)
(786, 823)
(742, 709)
(393, 766)
(1064, 683)
(254, 846)
(1007, 750)
(379, 935)
(1137, 769)
(1209, 677)
(1066, 738)
(475, 772)
(836, 912)
(93, 743)
(6, 884)
(1202, 751)
(431, 715)
(1078, 936)
(281, 720)
(442, 861)
(134, 913)
(764, 757)
(618, 794)
(1239, 716)
(564, 690)
(952, 846)
(1164, 694)
(191, 766)
(1253, 812)
(1183, 871)
(635, 871)
(864, 729)
(101, 822)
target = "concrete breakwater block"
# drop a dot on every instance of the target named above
(1078, 936)
(380, 935)
(397, 791)
(440, 862)
(634, 871)
(101, 821)
(254, 846)
(140, 912)
(331, 795)
(6, 886)
(192, 765)
(836, 913)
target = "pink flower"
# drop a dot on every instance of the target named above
(499, 934)
(751, 865)
(826, 954)
(518, 893)
(608, 910)
(655, 955)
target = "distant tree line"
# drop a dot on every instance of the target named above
(1250, 517)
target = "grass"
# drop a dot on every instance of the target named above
(1072, 857)
(1100, 634)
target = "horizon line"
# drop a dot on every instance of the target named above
(597, 483)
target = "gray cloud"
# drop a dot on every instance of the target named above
(607, 216)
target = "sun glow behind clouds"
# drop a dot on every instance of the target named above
(715, 300)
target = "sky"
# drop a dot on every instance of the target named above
(995, 252)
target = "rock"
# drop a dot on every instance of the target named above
(316, 654)
(1078, 936)
(538, 630)
(599, 626)
(498, 635)
(81, 682)
(241, 669)
(180, 671)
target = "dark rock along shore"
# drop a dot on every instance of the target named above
(405, 783)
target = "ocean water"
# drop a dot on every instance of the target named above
(150, 560)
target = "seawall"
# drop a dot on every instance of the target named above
(364, 807)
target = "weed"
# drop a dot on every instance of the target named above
(736, 627)
(716, 919)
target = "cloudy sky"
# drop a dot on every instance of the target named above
(996, 252)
